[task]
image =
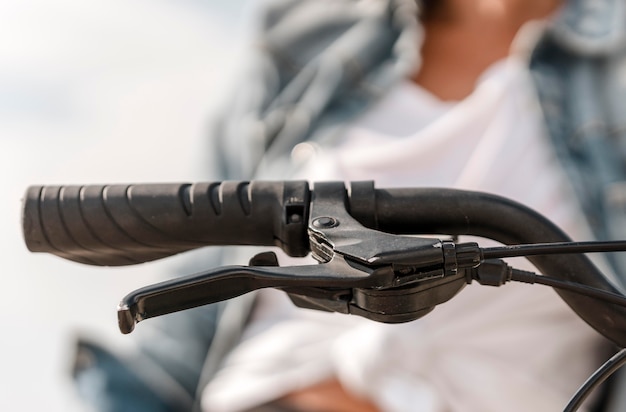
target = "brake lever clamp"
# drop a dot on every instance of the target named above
(408, 275)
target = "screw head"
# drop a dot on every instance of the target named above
(295, 218)
(325, 222)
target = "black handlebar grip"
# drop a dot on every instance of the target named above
(112, 225)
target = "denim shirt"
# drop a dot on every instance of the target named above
(315, 66)
(580, 73)
(319, 63)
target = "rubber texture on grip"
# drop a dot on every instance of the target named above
(112, 225)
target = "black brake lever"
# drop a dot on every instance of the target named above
(231, 281)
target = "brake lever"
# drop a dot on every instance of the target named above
(227, 282)
(380, 276)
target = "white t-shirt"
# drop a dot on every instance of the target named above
(514, 348)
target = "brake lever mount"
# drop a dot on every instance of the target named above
(408, 275)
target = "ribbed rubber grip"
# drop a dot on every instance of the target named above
(112, 225)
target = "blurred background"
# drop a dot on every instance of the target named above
(102, 91)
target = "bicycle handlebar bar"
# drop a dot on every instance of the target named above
(127, 224)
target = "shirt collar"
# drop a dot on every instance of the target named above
(590, 27)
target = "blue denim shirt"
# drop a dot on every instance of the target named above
(580, 73)
(319, 63)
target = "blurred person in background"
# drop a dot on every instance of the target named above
(519, 98)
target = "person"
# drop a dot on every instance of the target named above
(519, 98)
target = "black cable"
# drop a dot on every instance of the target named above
(502, 269)
(595, 380)
(499, 252)
(530, 277)
(497, 272)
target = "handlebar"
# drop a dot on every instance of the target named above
(127, 224)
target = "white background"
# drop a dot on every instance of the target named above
(94, 92)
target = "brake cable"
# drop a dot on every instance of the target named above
(496, 272)
(553, 248)
(596, 379)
